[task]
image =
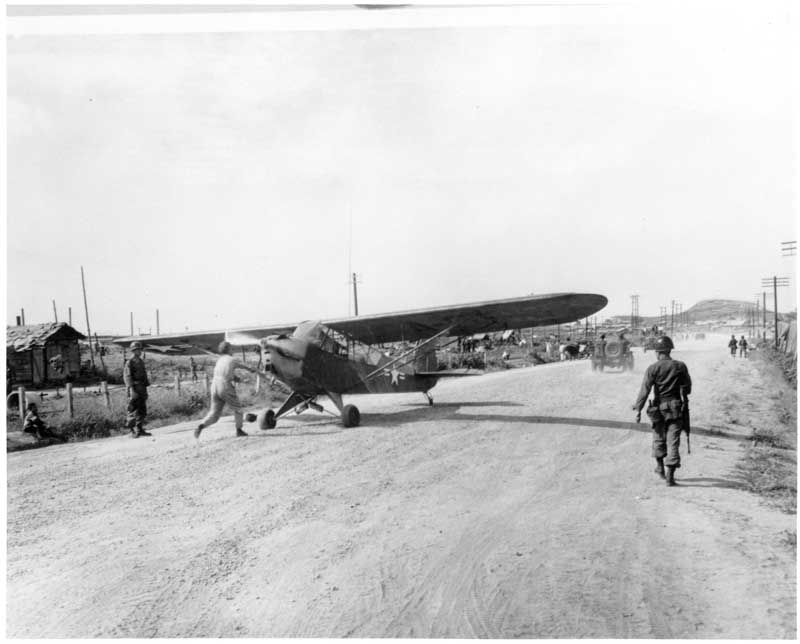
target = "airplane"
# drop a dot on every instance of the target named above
(342, 356)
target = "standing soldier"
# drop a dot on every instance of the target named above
(742, 347)
(193, 366)
(671, 386)
(135, 376)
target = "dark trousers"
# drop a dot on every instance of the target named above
(667, 442)
(137, 407)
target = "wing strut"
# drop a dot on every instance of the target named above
(412, 351)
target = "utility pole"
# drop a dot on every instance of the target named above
(755, 320)
(158, 324)
(776, 282)
(662, 315)
(634, 312)
(672, 319)
(131, 322)
(70, 315)
(88, 328)
(55, 313)
(22, 313)
(355, 295)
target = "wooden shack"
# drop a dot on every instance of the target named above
(43, 353)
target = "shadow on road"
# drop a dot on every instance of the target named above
(710, 482)
(449, 411)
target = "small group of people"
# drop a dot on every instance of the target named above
(741, 344)
(223, 390)
(667, 379)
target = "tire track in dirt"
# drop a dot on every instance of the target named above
(523, 504)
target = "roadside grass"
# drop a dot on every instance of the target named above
(769, 465)
(165, 406)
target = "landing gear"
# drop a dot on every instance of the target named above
(266, 420)
(351, 417)
(429, 397)
(299, 403)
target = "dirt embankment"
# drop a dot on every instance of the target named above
(523, 504)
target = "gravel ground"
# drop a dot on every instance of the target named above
(522, 504)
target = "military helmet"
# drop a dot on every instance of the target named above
(224, 347)
(663, 343)
(136, 345)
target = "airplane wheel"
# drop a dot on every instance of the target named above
(266, 419)
(351, 417)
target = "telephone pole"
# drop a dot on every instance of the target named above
(672, 319)
(355, 295)
(775, 282)
(789, 248)
(88, 328)
(634, 312)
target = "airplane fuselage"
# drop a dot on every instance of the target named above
(311, 370)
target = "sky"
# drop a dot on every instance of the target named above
(234, 169)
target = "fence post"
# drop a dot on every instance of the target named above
(178, 382)
(22, 403)
(70, 408)
(206, 388)
(104, 391)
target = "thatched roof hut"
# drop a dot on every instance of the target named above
(40, 353)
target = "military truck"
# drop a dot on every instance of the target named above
(617, 355)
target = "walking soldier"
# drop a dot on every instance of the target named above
(669, 379)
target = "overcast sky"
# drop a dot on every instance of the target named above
(217, 176)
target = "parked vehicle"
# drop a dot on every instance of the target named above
(617, 354)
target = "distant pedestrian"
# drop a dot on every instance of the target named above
(223, 390)
(742, 347)
(193, 367)
(135, 376)
(669, 379)
(732, 346)
(36, 426)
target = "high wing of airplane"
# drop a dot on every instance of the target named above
(341, 356)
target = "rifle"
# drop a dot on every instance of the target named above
(687, 424)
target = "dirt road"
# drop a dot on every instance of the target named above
(523, 504)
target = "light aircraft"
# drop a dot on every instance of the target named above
(343, 356)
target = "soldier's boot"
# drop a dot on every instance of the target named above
(241, 432)
(140, 431)
(198, 429)
(660, 467)
(671, 476)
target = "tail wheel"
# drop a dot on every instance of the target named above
(351, 417)
(266, 419)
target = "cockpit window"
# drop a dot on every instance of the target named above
(319, 335)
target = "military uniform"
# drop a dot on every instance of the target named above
(670, 382)
(135, 376)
